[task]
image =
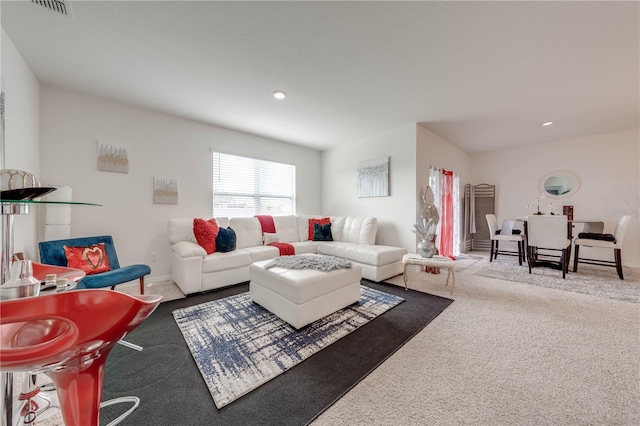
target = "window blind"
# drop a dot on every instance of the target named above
(244, 186)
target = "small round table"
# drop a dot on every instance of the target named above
(435, 261)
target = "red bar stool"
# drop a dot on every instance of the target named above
(68, 336)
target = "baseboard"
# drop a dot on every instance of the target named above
(158, 279)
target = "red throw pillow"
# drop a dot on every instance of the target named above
(91, 259)
(323, 221)
(206, 232)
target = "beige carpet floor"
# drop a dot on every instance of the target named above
(506, 353)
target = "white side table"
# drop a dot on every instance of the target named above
(435, 261)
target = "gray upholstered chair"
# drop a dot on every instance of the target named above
(497, 236)
(606, 241)
(547, 232)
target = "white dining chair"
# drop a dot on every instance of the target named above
(548, 232)
(496, 237)
(607, 241)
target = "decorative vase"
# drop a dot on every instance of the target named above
(426, 248)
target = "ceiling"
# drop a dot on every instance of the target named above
(482, 75)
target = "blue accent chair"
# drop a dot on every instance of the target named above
(52, 253)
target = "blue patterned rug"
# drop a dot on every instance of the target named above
(238, 345)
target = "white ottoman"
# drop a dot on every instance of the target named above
(302, 296)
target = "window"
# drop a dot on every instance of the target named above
(245, 186)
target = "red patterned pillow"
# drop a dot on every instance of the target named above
(323, 221)
(206, 232)
(91, 259)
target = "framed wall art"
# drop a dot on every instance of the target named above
(112, 158)
(165, 191)
(373, 178)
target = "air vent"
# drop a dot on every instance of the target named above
(58, 6)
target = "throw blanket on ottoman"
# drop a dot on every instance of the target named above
(310, 261)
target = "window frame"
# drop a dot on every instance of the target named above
(221, 167)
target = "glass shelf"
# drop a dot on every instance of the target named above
(65, 203)
(11, 207)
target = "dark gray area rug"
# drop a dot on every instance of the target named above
(172, 392)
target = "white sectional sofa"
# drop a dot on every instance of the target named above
(353, 238)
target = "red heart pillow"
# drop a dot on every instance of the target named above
(206, 232)
(91, 259)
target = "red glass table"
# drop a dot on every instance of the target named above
(35, 401)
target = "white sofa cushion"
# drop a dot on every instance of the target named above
(223, 222)
(270, 238)
(286, 228)
(337, 225)
(374, 255)
(305, 247)
(248, 231)
(362, 253)
(188, 249)
(333, 248)
(223, 261)
(180, 229)
(361, 230)
(262, 252)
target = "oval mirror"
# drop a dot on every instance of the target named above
(559, 184)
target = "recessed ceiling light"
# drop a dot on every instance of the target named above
(279, 94)
(547, 123)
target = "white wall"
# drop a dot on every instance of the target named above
(607, 166)
(158, 145)
(21, 135)
(395, 213)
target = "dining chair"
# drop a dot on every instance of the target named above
(549, 233)
(606, 241)
(593, 227)
(497, 236)
(68, 336)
